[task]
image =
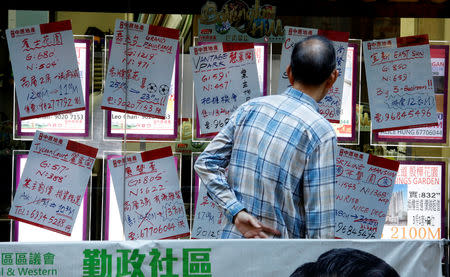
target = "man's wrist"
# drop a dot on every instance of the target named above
(232, 209)
(234, 217)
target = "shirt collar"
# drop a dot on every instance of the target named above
(292, 92)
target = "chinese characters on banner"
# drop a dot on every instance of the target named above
(330, 105)
(225, 76)
(53, 183)
(140, 69)
(439, 69)
(415, 210)
(74, 123)
(152, 205)
(209, 219)
(400, 83)
(45, 69)
(364, 187)
(224, 258)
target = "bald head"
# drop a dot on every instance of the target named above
(313, 60)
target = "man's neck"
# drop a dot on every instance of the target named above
(316, 92)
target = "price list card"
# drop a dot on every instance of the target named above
(149, 196)
(225, 76)
(53, 183)
(364, 188)
(140, 69)
(330, 105)
(45, 70)
(400, 83)
(209, 219)
(67, 124)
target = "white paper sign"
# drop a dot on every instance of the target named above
(30, 233)
(69, 123)
(330, 106)
(143, 126)
(53, 183)
(152, 205)
(344, 129)
(364, 188)
(400, 83)
(225, 76)
(209, 219)
(45, 69)
(140, 69)
(432, 133)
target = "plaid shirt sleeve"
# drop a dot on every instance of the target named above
(210, 167)
(319, 184)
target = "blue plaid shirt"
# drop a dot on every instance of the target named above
(280, 155)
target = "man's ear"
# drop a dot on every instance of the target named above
(332, 79)
(290, 75)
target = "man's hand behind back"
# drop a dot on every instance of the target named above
(250, 227)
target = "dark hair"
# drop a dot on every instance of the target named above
(313, 60)
(346, 262)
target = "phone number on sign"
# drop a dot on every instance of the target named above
(402, 115)
(140, 106)
(354, 231)
(148, 232)
(42, 218)
(53, 104)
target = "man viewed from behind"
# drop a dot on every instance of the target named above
(280, 155)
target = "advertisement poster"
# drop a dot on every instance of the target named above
(400, 83)
(67, 124)
(417, 207)
(432, 134)
(140, 69)
(330, 105)
(224, 258)
(24, 232)
(225, 76)
(153, 206)
(45, 69)
(364, 188)
(237, 21)
(53, 183)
